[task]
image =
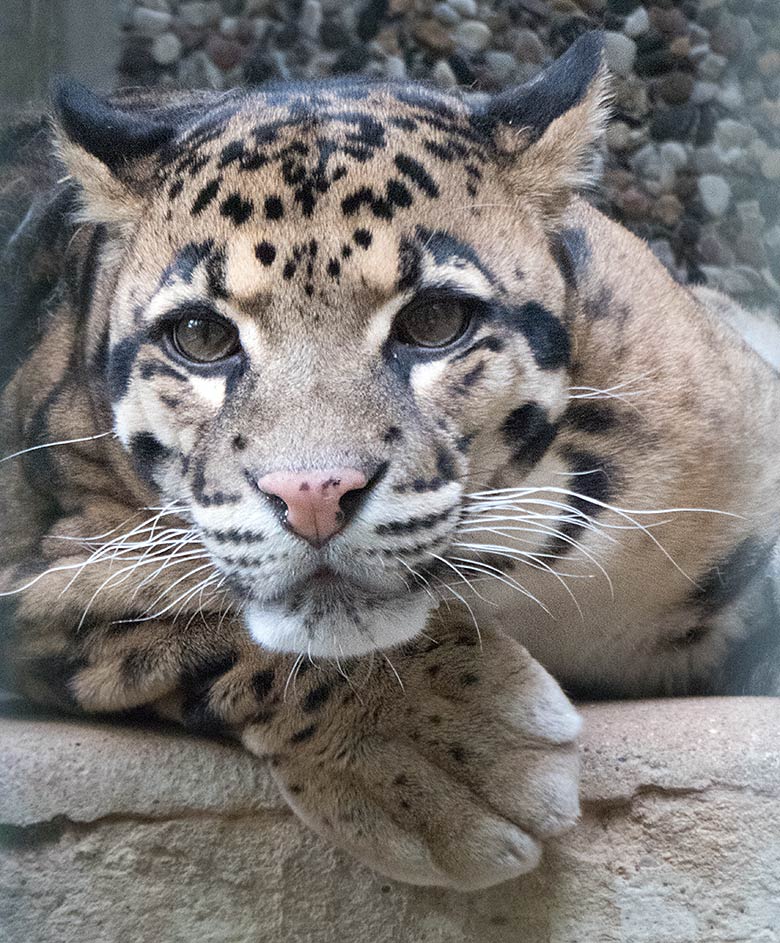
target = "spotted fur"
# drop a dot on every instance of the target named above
(589, 469)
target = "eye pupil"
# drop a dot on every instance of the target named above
(204, 339)
(435, 322)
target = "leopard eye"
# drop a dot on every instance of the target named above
(433, 321)
(204, 339)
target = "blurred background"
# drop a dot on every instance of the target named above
(692, 155)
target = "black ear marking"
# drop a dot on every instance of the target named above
(111, 134)
(551, 94)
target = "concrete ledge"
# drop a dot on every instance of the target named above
(114, 833)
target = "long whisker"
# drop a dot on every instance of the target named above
(51, 445)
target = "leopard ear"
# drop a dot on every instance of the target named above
(549, 128)
(106, 149)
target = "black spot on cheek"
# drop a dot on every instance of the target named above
(239, 442)
(120, 366)
(725, 581)
(147, 452)
(303, 735)
(334, 268)
(393, 434)
(590, 416)
(316, 698)
(262, 683)
(528, 432)
(546, 336)
(458, 753)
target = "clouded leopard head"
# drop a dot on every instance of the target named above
(334, 311)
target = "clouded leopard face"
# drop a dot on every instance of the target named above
(336, 311)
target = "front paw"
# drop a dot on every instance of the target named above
(443, 764)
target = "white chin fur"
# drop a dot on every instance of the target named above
(385, 624)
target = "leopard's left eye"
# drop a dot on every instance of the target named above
(204, 339)
(435, 321)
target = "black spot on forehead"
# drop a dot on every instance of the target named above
(236, 208)
(362, 238)
(274, 208)
(265, 252)
(206, 195)
(417, 173)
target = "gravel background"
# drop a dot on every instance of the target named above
(692, 156)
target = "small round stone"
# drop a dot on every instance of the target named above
(619, 137)
(668, 209)
(443, 75)
(676, 87)
(310, 19)
(620, 52)
(715, 194)
(500, 66)
(166, 48)
(194, 13)
(770, 165)
(395, 67)
(711, 67)
(229, 26)
(225, 53)
(730, 133)
(704, 92)
(434, 35)
(769, 63)
(527, 46)
(473, 36)
(466, 8)
(637, 23)
(445, 14)
(674, 154)
(148, 22)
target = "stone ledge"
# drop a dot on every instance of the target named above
(119, 833)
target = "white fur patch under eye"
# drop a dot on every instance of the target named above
(211, 389)
(427, 375)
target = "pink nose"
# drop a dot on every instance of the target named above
(312, 499)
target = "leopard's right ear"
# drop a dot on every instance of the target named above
(107, 149)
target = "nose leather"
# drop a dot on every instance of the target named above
(312, 499)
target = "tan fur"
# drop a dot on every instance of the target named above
(447, 758)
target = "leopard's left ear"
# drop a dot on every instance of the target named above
(547, 129)
(107, 149)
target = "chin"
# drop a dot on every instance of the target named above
(336, 627)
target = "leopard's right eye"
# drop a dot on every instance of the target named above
(204, 338)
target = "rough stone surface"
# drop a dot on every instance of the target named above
(134, 834)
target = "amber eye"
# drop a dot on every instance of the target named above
(433, 322)
(204, 339)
